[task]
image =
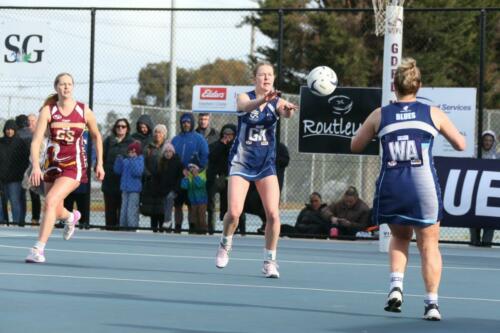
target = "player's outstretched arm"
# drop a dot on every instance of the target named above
(447, 128)
(245, 104)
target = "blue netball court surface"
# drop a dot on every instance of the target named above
(143, 282)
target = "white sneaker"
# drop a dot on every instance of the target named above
(35, 256)
(432, 312)
(270, 269)
(69, 227)
(222, 258)
(394, 300)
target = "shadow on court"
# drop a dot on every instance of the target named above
(448, 324)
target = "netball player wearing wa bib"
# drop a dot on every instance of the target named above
(407, 194)
(65, 166)
(252, 158)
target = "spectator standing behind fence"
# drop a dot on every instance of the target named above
(170, 170)
(24, 132)
(209, 133)
(310, 221)
(144, 130)
(115, 144)
(66, 163)
(14, 160)
(35, 197)
(349, 215)
(252, 158)
(194, 182)
(488, 151)
(408, 195)
(217, 173)
(130, 168)
(188, 144)
(152, 199)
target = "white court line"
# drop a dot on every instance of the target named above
(129, 254)
(234, 285)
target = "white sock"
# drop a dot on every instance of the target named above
(227, 241)
(39, 245)
(396, 280)
(431, 298)
(269, 255)
(71, 218)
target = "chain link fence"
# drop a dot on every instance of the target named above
(121, 58)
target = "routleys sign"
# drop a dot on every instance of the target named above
(23, 48)
(327, 124)
(471, 192)
(208, 98)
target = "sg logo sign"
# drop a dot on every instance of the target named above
(23, 48)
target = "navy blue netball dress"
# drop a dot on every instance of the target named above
(253, 152)
(407, 190)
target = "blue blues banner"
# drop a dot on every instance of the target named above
(471, 191)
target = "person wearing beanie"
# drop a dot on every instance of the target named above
(187, 144)
(130, 170)
(152, 203)
(194, 182)
(14, 160)
(170, 174)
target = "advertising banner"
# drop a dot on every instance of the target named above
(23, 49)
(327, 124)
(459, 104)
(222, 99)
(471, 192)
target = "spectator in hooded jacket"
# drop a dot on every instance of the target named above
(116, 144)
(488, 151)
(188, 144)
(130, 169)
(14, 160)
(144, 130)
(217, 172)
(36, 204)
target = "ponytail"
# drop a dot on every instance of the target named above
(51, 99)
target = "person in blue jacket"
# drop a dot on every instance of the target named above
(188, 145)
(130, 169)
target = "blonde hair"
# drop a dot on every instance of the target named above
(259, 65)
(407, 79)
(53, 98)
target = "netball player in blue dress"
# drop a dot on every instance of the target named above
(408, 196)
(252, 158)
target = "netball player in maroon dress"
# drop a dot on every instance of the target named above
(65, 165)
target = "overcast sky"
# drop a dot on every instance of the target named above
(134, 3)
(125, 43)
